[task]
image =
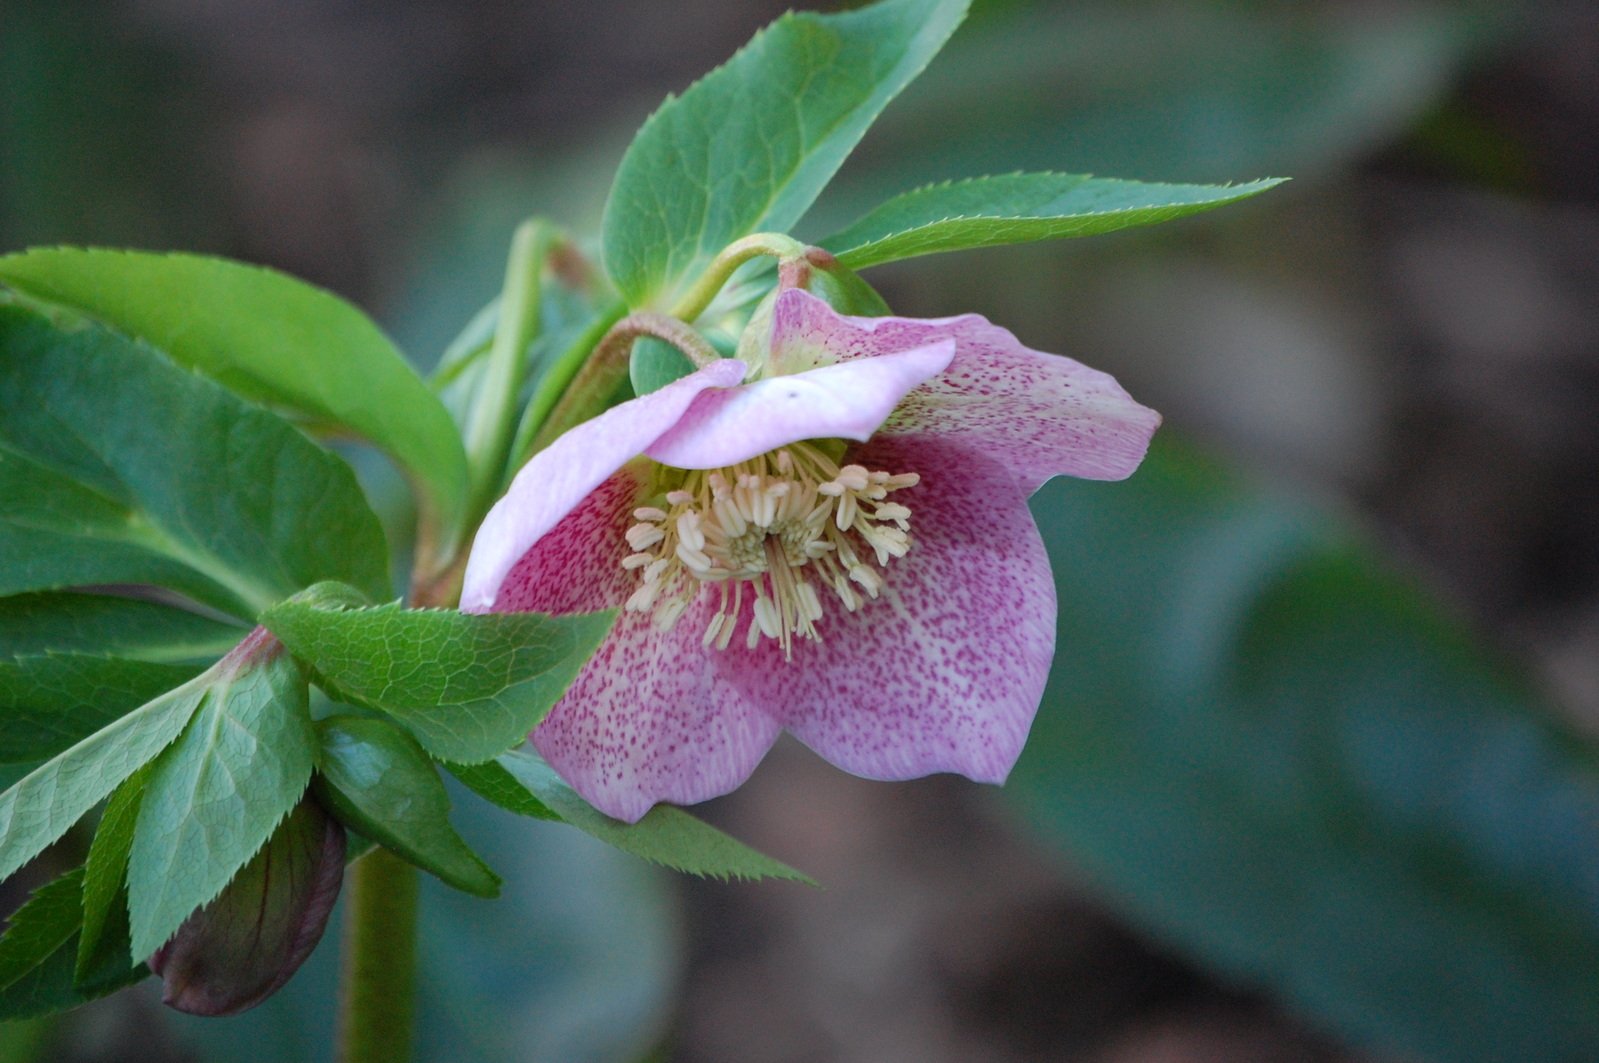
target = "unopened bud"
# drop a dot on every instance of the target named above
(243, 946)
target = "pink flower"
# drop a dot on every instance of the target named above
(840, 548)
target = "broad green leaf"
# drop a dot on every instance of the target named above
(1288, 761)
(1019, 208)
(666, 835)
(119, 467)
(468, 687)
(492, 782)
(105, 873)
(107, 624)
(213, 799)
(749, 146)
(267, 336)
(39, 951)
(50, 703)
(377, 780)
(39, 809)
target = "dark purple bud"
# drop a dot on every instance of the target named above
(240, 949)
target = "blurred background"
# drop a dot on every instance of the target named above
(1281, 803)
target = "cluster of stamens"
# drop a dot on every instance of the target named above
(783, 528)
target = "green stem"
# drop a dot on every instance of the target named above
(603, 369)
(379, 994)
(734, 255)
(489, 428)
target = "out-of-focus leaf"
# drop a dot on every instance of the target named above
(1019, 208)
(107, 624)
(377, 780)
(50, 703)
(38, 955)
(267, 336)
(467, 686)
(214, 798)
(1281, 755)
(497, 786)
(119, 467)
(750, 145)
(666, 835)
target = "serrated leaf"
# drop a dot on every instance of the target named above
(111, 625)
(666, 835)
(105, 873)
(749, 146)
(492, 782)
(45, 922)
(268, 337)
(466, 686)
(39, 809)
(119, 467)
(216, 795)
(50, 703)
(38, 955)
(376, 779)
(1277, 752)
(1019, 208)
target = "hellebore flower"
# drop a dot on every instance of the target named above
(840, 548)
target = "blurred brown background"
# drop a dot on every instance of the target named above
(1408, 330)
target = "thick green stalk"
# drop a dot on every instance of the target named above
(378, 1002)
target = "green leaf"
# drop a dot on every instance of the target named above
(377, 780)
(749, 146)
(213, 799)
(492, 782)
(105, 873)
(118, 467)
(666, 835)
(42, 925)
(1288, 761)
(467, 686)
(106, 624)
(50, 703)
(267, 336)
(39, 809)
(38, 955)
(1019, 208)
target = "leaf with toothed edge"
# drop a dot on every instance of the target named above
(666, 835)
(216, 795)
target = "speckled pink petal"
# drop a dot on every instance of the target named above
(943, 672)
(562, 474)
(648, 721)
(1041, 415)
(849, 401)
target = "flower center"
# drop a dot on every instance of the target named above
(784, 528)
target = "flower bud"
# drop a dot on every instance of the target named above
(242, 947)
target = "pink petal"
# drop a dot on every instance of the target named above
(849, 400)
(647, 721)
(943, 672)
(644, 721)
(1042, 415)
(562, 474)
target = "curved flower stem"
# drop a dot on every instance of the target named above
(376, 1008)
(776, 245)
(604, 369)
(489, 424)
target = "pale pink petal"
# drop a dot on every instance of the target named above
(943, 672)
(1041, 415)
(647, 721)
(561, 475)
(849, 400)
